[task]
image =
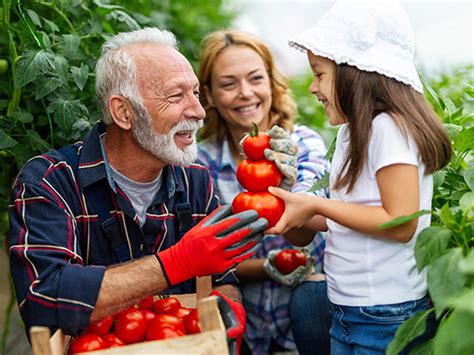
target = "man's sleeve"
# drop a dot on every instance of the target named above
(53, 286)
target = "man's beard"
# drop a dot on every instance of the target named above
(163, 146)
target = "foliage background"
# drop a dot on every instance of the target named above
(47, 55)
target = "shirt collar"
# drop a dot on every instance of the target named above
(93, 165)
(226, 159)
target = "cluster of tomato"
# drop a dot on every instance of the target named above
(149, 320)
(256, 174)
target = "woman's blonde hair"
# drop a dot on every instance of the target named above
(283, 109)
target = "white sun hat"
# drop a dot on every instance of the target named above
(372, 36)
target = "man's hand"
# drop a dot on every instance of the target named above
(284, 152)
(300, 274)
(234, 318)
(218, 243)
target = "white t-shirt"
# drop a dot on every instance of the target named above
(364, 270)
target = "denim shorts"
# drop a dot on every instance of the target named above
(369, 330)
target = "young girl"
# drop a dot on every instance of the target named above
(389, 144)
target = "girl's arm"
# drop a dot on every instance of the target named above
(251, 270)
(398, 186)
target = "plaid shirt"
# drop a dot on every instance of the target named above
(58, 249)
(266, 303)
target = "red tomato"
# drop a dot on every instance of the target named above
(192, 322)
(117, 315)
(167, 305)
(288, 260)
(113, 340)
(267, 205)
(169, 320)
(255, 143)
(131, 326)
(183, 312)
(258, 175)
(146, 303)
(102, 327)
(149, 315)
(87, 342)
(157, 332)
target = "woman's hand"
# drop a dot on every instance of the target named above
(284, 152)
(299, 209)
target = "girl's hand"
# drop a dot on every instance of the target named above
(299, 208)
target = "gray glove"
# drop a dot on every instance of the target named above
(300, 274)
(284, 152)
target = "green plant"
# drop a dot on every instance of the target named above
(445, 249)
(47, 56)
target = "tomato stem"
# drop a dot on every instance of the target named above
(254, 130)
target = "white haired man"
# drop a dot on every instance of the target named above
(127, 196)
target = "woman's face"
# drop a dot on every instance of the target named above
(240, 88)
(323, 86)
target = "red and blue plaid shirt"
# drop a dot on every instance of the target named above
(58, 249)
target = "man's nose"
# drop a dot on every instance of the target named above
(195, 110)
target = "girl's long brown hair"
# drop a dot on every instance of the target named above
(283, 109)
(361, 96)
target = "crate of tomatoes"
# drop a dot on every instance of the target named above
(159, 325)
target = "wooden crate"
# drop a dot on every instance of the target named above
(212, 339)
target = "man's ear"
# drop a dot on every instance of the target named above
(209, 98)
(121, 111)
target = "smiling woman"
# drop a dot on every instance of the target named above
(242, 87)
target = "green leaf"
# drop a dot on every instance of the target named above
(22, 116)
(403, 219)
(466, 266)
(36, 142)
(464, 302)
(469, 90)
(434, 97)
(438, 179)
(45, 86)
(424, 348)
(409, 330)
(467, 202)
(122, 16)
(31, 65)
(454, 336)
(444, 279)
(320, 184)
(71, 45)
(34, 17)
(465, 140)
(331, 150)
(431, 243)
(6, 141)
(469, 175)
(453, 130)
(51, 25)
(80, 75)
(66, 112)
(446, 215)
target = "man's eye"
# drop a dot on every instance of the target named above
(196, 93)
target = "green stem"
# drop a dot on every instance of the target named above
(30, 30)
(16, 92)
(50, 121)
(60, 13)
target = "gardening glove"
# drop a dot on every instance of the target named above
(218, 243)
(234, 318)
(300, 274)
(284, 152)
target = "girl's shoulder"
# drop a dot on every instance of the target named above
(383, 121)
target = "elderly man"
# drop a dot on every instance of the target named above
(123, 197)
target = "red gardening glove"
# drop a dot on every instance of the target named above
(218, 243)
(234, 317)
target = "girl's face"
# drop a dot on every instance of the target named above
(323, 86)
(240, 88)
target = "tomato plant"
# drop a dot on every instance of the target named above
(258, 175)
(102, 327)
(255, 143)
(113, 341)
(87, 342)
(192, 322)
(131, 326)
(287, 260)
(267, 205)
(166, 305)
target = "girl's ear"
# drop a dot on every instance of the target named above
(121, 111)
(209, 98)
